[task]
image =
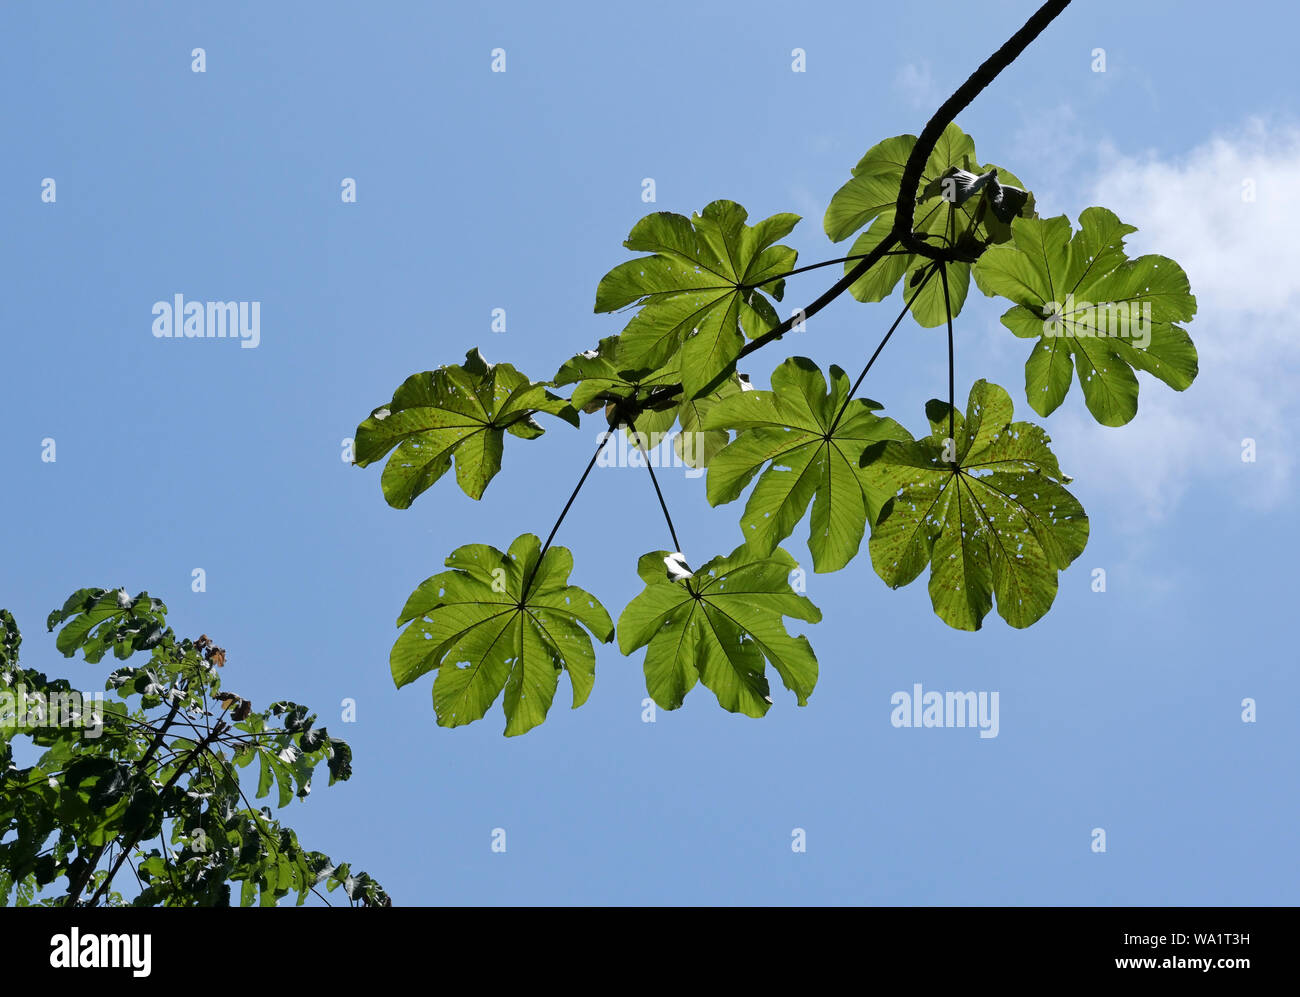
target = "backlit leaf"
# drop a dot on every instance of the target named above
(461, 411)
(701, 292)
(809, 457)
(484, 632)
(1093, 311)
(995, 521)
(719, 626)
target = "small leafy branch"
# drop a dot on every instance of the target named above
(152, 782)
(979, 499)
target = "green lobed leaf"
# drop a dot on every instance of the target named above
(483, 633)
(995, 521)
(599, 383)
(945, 215)
(96, 621)
(1057, 283)
(719, 626)
(600, 380)
(789, 429)
(461, 411)
(702, 290)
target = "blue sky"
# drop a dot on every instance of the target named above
(481, 190)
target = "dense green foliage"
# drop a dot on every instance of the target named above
(812, 442)
(150, 779)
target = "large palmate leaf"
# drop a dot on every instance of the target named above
(994, 520)
(717, 626)
(955, 208)
(699, 290)
(600, 382)
(500, 621)
(699, 442)
(462, 410)
(813, 458)
(97, 621)
(1092, 310)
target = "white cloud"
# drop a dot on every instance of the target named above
(1243, 261)
(1240, 255)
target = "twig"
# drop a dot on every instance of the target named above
(604, 438)
(947, 306)
(677, 546)
(197, 750)
(929, 272)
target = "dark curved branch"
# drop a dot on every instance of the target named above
(77, 884)
(905, 210)
(906, 207)
(902, 234)
(133, 838)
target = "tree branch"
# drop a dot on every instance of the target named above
(905, 209)
(130, 843)
(77, 885)
(901, 234)
(988, 71)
